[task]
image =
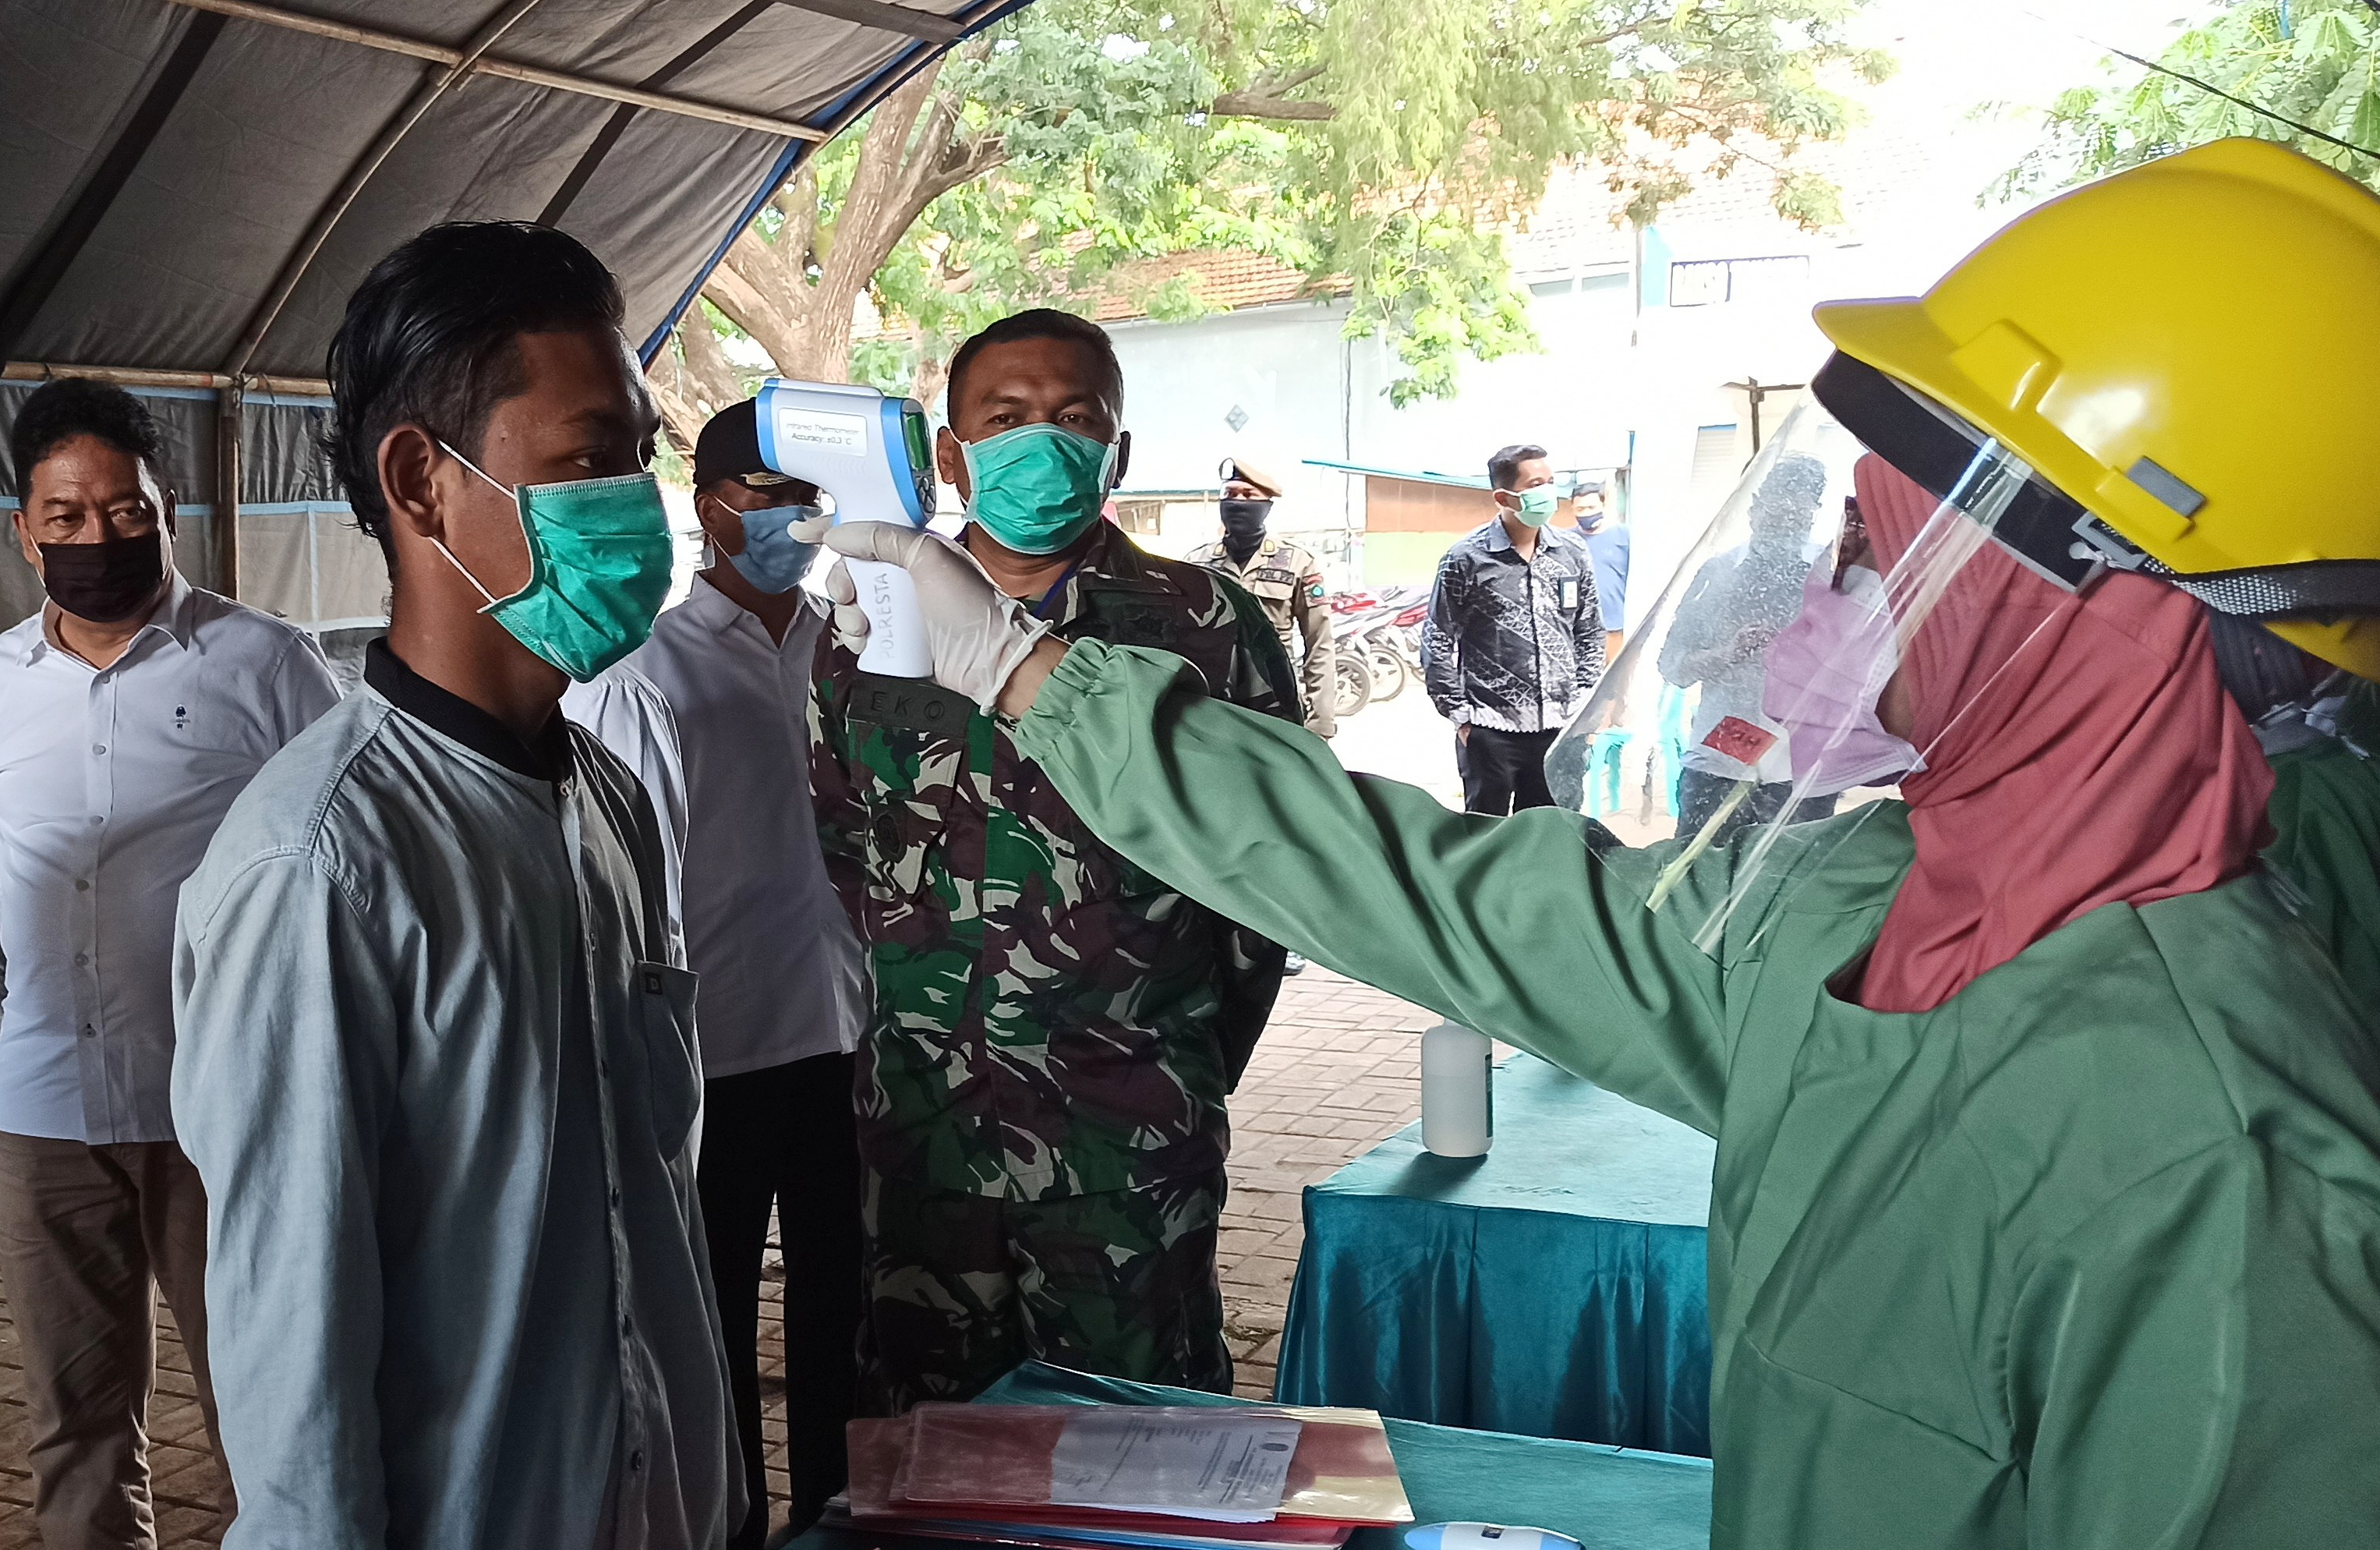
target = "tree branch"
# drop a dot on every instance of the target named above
(695, 381)
(1268, 97)
(799, 202)
(1251, 104)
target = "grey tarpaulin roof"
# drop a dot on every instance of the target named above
(166, 169)
(190, 188)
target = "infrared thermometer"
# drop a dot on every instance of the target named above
(1486, 1536)
(872, 455)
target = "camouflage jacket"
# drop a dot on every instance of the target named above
(1048, 1019)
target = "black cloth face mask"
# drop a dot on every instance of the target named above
(1243, 526)
(105, 581)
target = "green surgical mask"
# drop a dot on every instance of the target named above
(1038, 488)
(600, 556)
(1538, 505)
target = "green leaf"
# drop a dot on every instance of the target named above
(1445, 120)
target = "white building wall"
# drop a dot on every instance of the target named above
(1613, 384)
(1589, 397)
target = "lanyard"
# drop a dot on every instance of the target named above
(1057, 590)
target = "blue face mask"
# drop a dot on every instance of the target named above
(1036, 488)
(774, 559)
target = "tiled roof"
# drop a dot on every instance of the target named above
(1226, 281)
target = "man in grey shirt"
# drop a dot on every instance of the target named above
(436, 1066)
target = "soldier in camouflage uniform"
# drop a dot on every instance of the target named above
(1042, 1075)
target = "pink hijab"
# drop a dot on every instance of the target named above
(2079, 752)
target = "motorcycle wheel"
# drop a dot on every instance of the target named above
(1354, 685)
(1388, 671)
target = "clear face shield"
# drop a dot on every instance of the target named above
(1833, 630)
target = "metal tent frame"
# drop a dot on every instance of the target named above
(655, 129)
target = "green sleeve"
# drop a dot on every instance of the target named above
(1511, 926)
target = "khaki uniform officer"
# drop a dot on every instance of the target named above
(1284, 578)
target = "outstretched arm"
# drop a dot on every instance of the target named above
(1511, 926)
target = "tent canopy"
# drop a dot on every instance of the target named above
(198, 184)
(189, 190)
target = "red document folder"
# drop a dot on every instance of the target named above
(991, 1463)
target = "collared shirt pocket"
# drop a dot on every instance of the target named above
(673, 1059)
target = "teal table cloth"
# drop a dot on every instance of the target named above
(1607, 1499)
(1556, 1288)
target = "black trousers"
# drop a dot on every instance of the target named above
(1504, 772)
(785, 1137)
(1700, 795)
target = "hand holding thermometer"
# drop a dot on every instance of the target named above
(872, 455)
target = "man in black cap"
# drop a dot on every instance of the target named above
(779, 1006)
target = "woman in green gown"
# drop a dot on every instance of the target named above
(2046, 1201)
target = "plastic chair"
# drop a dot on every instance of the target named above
(1674, 717)
(1606, 758)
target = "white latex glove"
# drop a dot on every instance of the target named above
(977, 633)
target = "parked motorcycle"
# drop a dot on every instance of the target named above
(1378, 639)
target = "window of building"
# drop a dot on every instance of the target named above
(1717, 464)
(1145, 517)
(1569, 285)
(1709, 282)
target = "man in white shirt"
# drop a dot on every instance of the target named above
(781, 991)
(623, 710)
(133, 708)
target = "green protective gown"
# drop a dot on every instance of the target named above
(2325, 814)
(2089, 1256)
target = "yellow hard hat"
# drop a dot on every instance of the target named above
(2189, 351)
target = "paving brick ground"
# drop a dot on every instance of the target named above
(1337, 1073)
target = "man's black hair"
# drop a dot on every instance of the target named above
(1040, 322)
(1505, 468)
(431, 338)
(58, 411)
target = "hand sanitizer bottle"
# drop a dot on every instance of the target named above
(1458, 1111)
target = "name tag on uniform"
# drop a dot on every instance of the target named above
(1570, 591)
(909, 704)
(1127, 621)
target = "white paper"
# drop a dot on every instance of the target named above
(1214, 1465)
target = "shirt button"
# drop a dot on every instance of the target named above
(89, 1031)
(82, 885)
(636, 1459)
(627, 1326)
(81, 959)
(615, 1200)
(99, 748)
(96, 820)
